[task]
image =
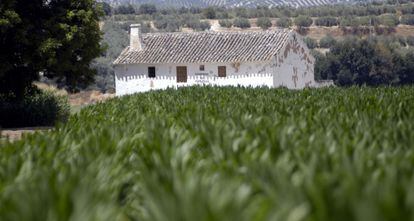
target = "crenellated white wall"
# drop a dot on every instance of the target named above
(136, 84)
(133, 78)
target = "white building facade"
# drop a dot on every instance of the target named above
(252, 59)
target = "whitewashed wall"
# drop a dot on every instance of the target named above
(294, 65)
(293, 68)
(211, 69)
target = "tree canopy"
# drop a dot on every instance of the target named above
(56, 38)
(366, 62)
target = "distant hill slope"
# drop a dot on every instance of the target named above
(233, 3)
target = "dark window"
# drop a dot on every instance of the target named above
(151, 72)
(202, 67)
(222, 71)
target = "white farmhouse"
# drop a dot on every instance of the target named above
(266, 58)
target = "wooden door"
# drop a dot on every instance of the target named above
(222, 71)
(181, 74)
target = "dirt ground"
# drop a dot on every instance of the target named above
(18, 133)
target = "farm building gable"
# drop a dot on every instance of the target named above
(206, 47)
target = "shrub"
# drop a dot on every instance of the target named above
(264, 23)
(303, 21)
(284, 22)
(43, 108)
(196, 24)
(407, 19)
(242, 23)
(389, 20)
(310, 42)
(147, 9)
(226, 23)
(168, 23)
(410, 40)
(327, 42)
(326, 21)
(209, 13)
(125, 10)
(346, 21)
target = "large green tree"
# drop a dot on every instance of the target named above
(56, 38)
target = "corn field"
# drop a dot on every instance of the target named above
(207, 153)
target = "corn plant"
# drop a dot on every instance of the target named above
(209, 153)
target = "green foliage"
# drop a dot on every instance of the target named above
(168, 23)
(303, 21)
(310, 42)
(320, 66)
(147, 9)
(209, 13)
(106, 8)
(410, 40)
(125, 10)
(371, 61)
(327, 42)
(226, 23)
(284, 22)
(241, 23)
(37, 108)
(389, 20)
(264, 23)
(57, 38)
(195, 23)
(326, 21)
(220, 154)
(407, 19)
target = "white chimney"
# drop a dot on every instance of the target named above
(135, 37)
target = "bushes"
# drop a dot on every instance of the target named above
(373, 61)
(326, 21)
(410, 40)
(125, 10)
(196, 24)
(310, 42)
(264, 23)
(389, 20)
(226, 23)
(284, 22)
(303, 21)
(327, 42)
(148, 9)
(40, 109)
(168, 23)
(407, 19)
(242, 23)
(209, 13)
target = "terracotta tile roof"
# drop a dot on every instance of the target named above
(204, 47)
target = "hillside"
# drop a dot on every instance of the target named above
(232, 3)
